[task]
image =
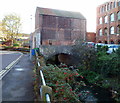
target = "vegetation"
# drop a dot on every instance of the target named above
(97, 67)
(104, 71)
(62, 80)
(85, 56)
(15, 45)
(11, 26)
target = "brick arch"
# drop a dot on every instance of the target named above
(112, 41)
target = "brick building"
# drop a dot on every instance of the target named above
(58, 27)
(90, 37)
(108, 23)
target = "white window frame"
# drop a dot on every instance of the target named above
(112, 30)
(100, 20)
(118, 29)
(118, 15)
(105, 31)
(106, 19)
(100, 32)
(112, 17)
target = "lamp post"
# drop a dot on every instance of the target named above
(30, 42)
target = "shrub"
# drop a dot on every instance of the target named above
(15, 45)
(61, 80)
(8, 47)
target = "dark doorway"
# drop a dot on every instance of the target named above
(106, 42)
(112, 42)
(118, 41)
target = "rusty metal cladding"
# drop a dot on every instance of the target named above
(59, 27)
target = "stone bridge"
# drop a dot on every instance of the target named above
(63, 54)
(49, 51)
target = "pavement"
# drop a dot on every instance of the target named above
(17, 85)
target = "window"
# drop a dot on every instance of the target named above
(112, 30)
(111, 5)
(106, 19)
(118, 29)
(108, 7)
(101, 10)
(119, 3)
(112, 17)
(100, 32)
(100, 20)
(118, 15)
(105, 8)
(105, 31)
(114, 4)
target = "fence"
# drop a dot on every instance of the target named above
(45, 91)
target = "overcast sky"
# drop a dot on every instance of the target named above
(26, 8)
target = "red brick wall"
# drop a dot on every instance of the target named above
(109, 37)
(91, 37)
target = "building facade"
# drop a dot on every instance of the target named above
(58, 27)
(91, 37)
(108, 23)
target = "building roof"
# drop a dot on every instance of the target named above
(55, 12)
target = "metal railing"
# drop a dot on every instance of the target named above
(45, 91)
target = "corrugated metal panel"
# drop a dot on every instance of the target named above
(48, 34)
(47, 11)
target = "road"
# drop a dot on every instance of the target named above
(7, 57)
(17, 85)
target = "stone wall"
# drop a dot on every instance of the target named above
(49, 51)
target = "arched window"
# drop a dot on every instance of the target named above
(100, 20)
(105, 31)
(112, 17)
(114, 4)
(108, 6)
(103, 9)
(100, 32)
(106, 19)
(118, 15)
(112, 30)
(100, 9)
(118, 29)
(111, 5)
